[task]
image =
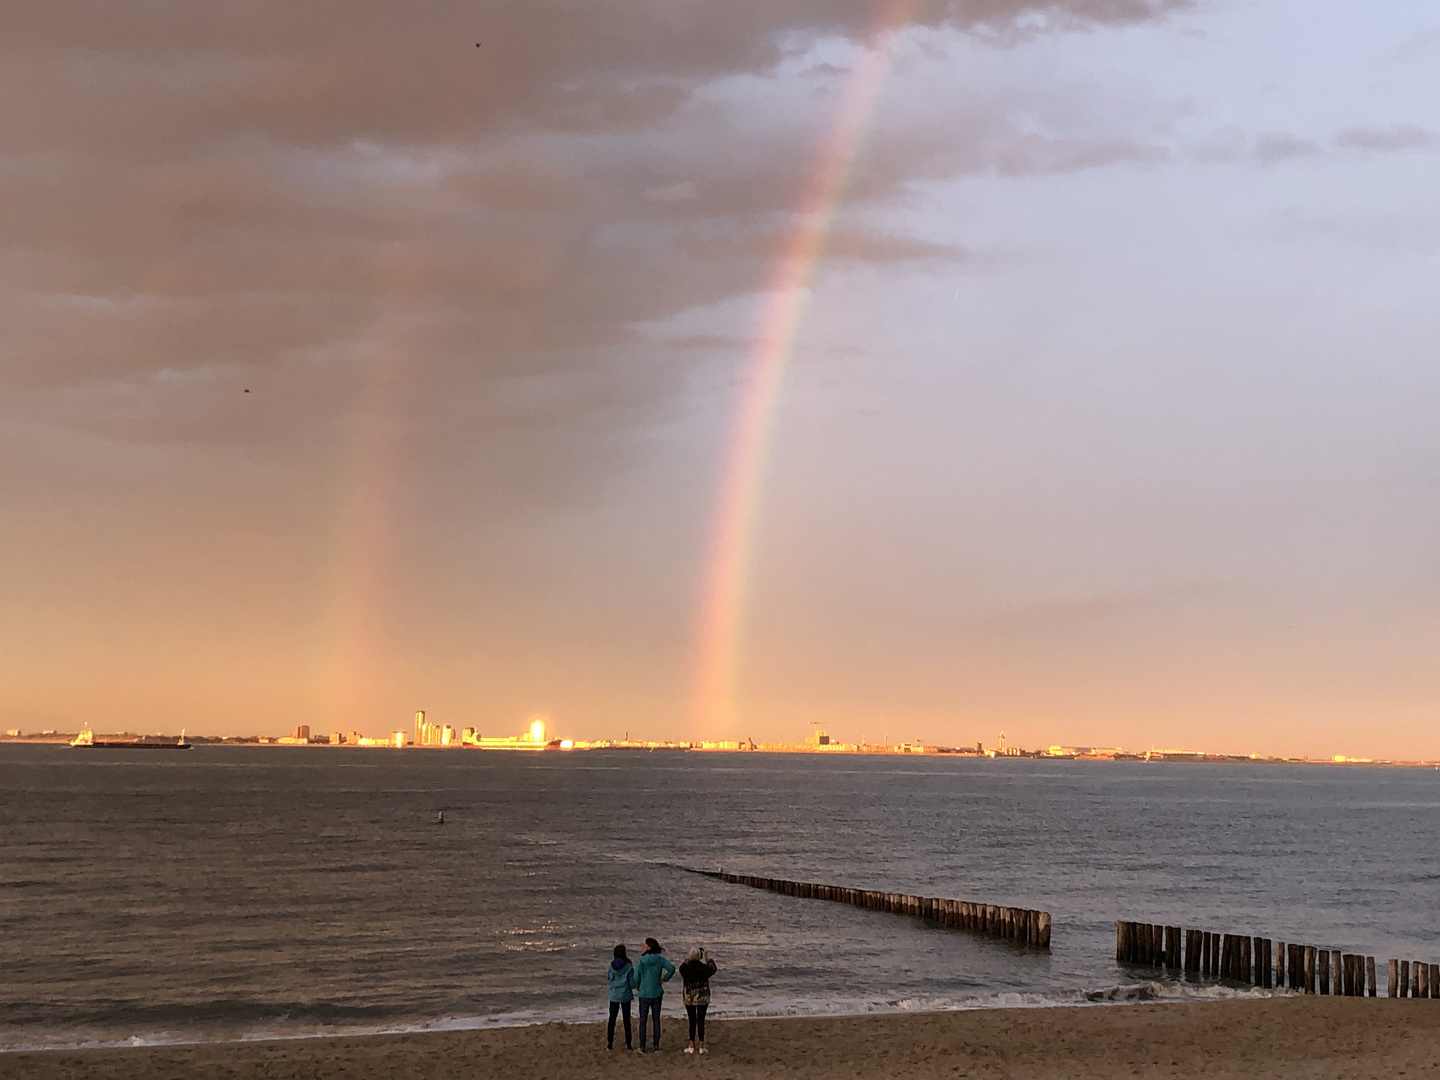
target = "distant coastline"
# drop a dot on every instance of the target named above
(1052, 753)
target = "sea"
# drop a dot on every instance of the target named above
(232, 893)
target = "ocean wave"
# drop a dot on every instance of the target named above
(1156, 992)
(1148, 992)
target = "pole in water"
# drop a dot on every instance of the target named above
(440, 817)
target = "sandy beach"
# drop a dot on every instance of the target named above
(1315, 1038)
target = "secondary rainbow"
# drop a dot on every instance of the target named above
(731, 549)
(369, 518)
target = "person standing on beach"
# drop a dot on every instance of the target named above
(651, 973)
(695, 973)
(618, 974)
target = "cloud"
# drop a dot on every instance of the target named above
(136, 78)
(1393, 232)
(707, 341)
(850, 244)
(1395, 137)
(1273, 147)
(307, 199)
(681, 191)
(1038, 155)
(1233, 144)
(1083, 614)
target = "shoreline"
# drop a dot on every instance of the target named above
(1316, 1037)
(1119, 995)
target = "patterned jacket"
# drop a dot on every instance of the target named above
(696, 976)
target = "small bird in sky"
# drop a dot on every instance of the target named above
(247, 391)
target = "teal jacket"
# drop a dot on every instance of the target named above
(619, 978)
(651, 971)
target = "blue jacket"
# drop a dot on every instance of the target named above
(620, 979)
(651, 971)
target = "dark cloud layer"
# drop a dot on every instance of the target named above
(247, 185)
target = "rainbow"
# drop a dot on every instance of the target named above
(369, 520)
(731, 548)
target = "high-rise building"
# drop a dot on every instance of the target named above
(428, 734)
(303, 731)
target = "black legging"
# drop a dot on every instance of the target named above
(697, 1020)
(615, 1007)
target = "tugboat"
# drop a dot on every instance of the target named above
(87, 738)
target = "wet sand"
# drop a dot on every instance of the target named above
(1314, 1038)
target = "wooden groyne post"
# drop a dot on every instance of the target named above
(1259, 961)
(1414, 979)
(1023, 925)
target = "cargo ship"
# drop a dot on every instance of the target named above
(87, 738)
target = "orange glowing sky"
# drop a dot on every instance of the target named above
(911, 368)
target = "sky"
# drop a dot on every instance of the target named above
(683, 369)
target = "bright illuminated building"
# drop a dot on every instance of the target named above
(428, 734)
(533, 739)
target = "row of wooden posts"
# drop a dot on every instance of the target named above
(1257, 961)
(1024, 925)
(1260, 961)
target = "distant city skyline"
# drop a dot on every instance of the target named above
(428, 734)
(915, 370)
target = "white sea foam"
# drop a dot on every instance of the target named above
(1156, 992)
(1149, 992)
